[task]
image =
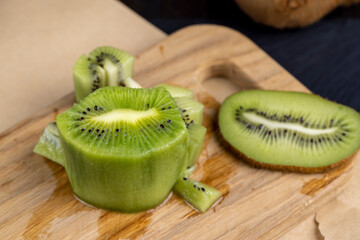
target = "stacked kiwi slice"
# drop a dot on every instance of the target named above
(105, 66)
(289, 130)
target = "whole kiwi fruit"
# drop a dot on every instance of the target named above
(289, 13)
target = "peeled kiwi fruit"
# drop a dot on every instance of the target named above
(124, 147)
(289, 130)
(105, 66)
(176, 91)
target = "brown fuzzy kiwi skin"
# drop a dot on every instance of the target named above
(289, 13)
(284, 168)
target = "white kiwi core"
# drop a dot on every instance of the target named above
(283, 125)
(124, 114)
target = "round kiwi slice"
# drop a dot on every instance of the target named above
(124, 147)
(105, 66)
(289, 130)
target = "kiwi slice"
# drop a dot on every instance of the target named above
(199, 195)
(289, 130)
(176, 91)
(117, 64)
(197, 134)
(191, 110)
(124, 147)
(105, 66)
(49, 144)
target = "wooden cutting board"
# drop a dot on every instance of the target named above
(36, 201)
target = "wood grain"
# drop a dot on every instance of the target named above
(36, 201)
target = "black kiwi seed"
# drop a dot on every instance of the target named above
(311, 140)
(89, 130)
(102, 131)
(184, 110)
(83, 129)
(194, 186)
(97, 130)
(101, 109)
(163, 109)
(117, 130)
(285, 131)
(169, 121)
(88, 109)
(84, 113)
(184, 178)
(162, 126)
(191, 121)
(344, 134)
(203, 189)
(199, 188)
(269, 132)
(96, 108)
(261, 126)
(82, 118)
(99, 135)
(147, 105)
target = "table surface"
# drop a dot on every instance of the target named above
(36, 71)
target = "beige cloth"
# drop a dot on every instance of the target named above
(41, 40)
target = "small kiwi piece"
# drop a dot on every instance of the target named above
(289, 130)
(199, 195)
(191, 110)
(49, 144)
(197, 135)
(105, 66)
(177, 91)
(125, 148)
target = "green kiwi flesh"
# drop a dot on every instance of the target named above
(124, 147)
(49, 144)
(197, 135)
(177, 91)
(199, 195)
(191, 110)
(105, 66)
(289, 130)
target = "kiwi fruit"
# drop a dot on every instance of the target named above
(49, 144)
(289, 130)
(176, 91)
(105, 66)
(124, 147)
(191, 110)
(197, 135)
(198, 195)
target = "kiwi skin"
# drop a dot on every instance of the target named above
(295, 169)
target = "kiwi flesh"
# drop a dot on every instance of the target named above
(49, 144)
(199, 195)
(177, 91)
(289, 130)
(191, 110)
(124, 148)
(105, 66)
(197, 135)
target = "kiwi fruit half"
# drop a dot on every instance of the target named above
(105, 66)
(124, 147)
(289, 130)
(49, 145)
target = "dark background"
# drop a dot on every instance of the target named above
(325, 56)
